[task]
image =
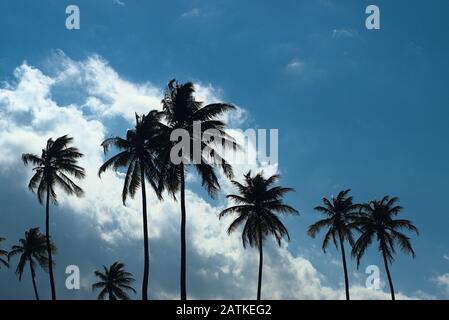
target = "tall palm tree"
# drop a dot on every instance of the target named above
(340, 213)
(32, 250)
(114, 281)
(3, 253)
(52, 169)
(138, 152)
(377, 223)
(182, 111)
(257, 206)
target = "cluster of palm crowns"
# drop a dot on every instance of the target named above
(145, 154)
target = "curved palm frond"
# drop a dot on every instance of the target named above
(257, 207)
(182, 111)
(377, 223)
(114, 281)
(340, 213)
(52, 168)
(32, 250)
(3, 253)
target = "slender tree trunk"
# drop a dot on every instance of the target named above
(47, 236)
(259, 284)
(183, 287)
(146, 266)
(345, 268)
(33, 275)
(390, 281)
(111, 296)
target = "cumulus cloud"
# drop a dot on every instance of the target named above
(221, 268)
(107, 94)
(443, 282)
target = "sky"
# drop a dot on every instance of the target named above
(355, 108)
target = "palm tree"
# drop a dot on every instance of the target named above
(32, 250)
(257, 206)
(3, 253)
(182, 111)
(377, 222)
(52, 169)
(138, 152)
(340, 213)
(114, 281)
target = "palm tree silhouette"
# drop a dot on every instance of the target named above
(182, 111)
(3, 253)
(340, 213)
(377, 222)
(138, 152)
(52, 169)
(114, 281)
(257, 206)
(32, 250)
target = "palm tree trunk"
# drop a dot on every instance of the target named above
(47, 236)
(387, 269)
(33, 275)
(183, 287)
(145, 237)
(111, 296)
(259, 284)
(345, 268)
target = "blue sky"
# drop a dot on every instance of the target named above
(355, 108)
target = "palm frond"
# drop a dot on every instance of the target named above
(119, 160)
(31, 158)
(113, 281)
(317, 226)
(257, 208)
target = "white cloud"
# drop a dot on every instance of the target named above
(29, 115)
(192, 13)
(209, 94)
(446, 257)
(443, 282)
(296, 66)
(107, 94)
(419, 294)
(120, 3)
(344, 33)
(305, 70)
